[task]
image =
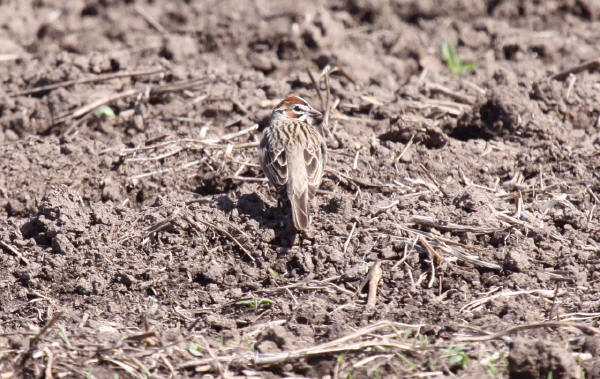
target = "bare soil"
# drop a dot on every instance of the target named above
(140, 238)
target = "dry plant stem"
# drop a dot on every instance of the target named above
(455, 109)
(337, 345)
(455, 248)
(548, 324)
(593, 194)
(131, 92)
(48, 370)
(408, 145)
(572, 79)
(248, 179)
(431, 253)
(157, 157)
(15, 252)
(437, 184)
(316, 86)
(95, 104)
(213, 357)
(327, 109)
(356, 181)
(434, 87)
(168, 169)
(375, 275)
(429, 221)
(204, 143)
(430, 249)
(347, 243)
(125, 367)
(9, 57)
(479, 302)
(195, 225)
(514, 221)
(100, 78)
(589, 65)
(150, 20)
(50, 323)
(229, 136)
(278, 358)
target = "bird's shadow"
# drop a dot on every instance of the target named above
(277, 218)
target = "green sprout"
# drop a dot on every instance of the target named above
(454, 62)
(408, 362)
(457, 356)
(195, 348)
(255, 303)
(430, 364)
(493, 360)
(104, 111)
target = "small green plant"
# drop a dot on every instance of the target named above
(62, 336)
(195, 349)
(408, 362)
(550, 375)
(422, 339)
(406, 335)
(430, 365)
(457, 356)
(275, 273)
(255, 303)
(493, 360)
(376, 374)
(104, 111)
(454, 62)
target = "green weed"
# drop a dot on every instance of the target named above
(454, 62)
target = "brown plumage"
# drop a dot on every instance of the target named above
(293, 154)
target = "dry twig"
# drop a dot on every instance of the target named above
(195, 225)
(452, 227)
(434, 87)
(375, 275)
(546, 324)
(589, 65)
(15, 252)
(150, 20)
(99, 78)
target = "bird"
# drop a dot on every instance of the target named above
(293, 154)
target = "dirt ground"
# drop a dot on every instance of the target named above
(138, 237)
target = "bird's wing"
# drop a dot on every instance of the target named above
(274, 162)
(315, 156)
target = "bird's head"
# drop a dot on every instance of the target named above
(296, 108)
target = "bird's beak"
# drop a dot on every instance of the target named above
(316, 114)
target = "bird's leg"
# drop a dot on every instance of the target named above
(281, 198)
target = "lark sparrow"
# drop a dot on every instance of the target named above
(293, 153)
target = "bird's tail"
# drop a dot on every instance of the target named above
(298, 191)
